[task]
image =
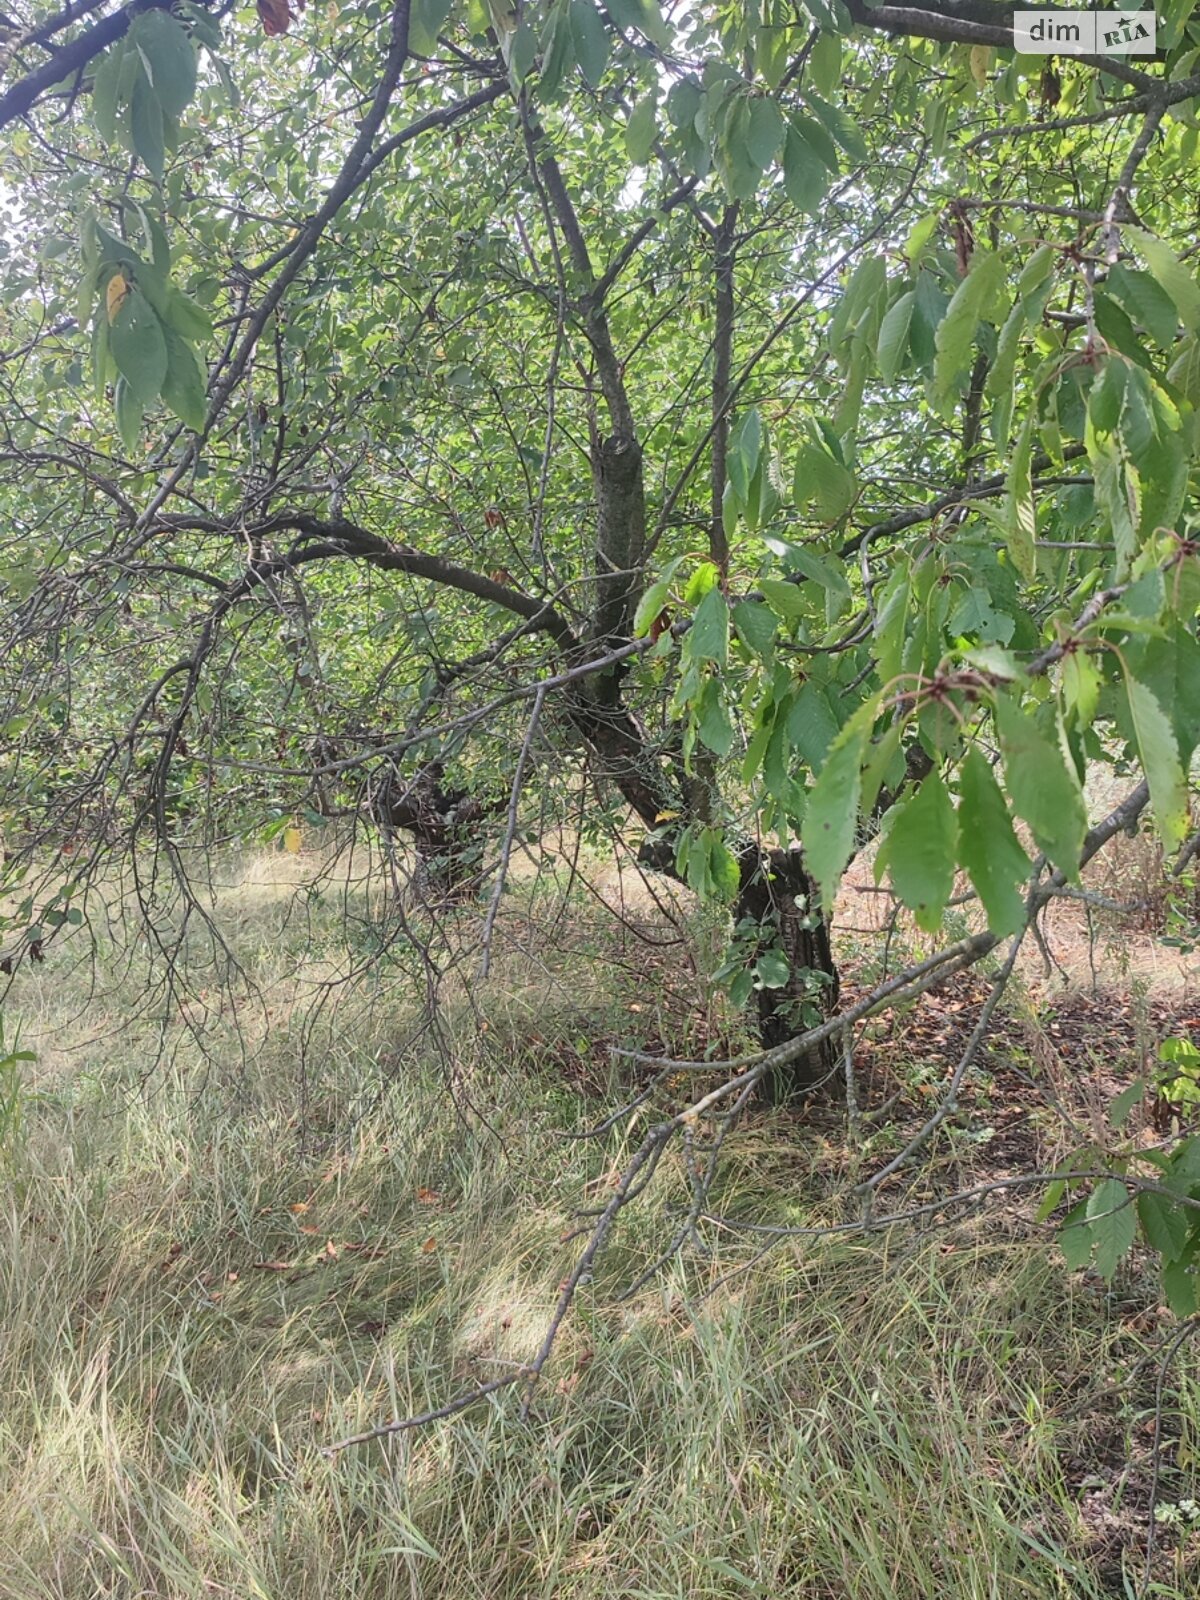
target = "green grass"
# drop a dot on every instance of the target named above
(914, 1417)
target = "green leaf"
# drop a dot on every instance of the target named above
(805, 175)
(522, 53)
(106, 91)
(591, 40)
(706, 576)
(129, 414)
(757, 627)
(426, 20)
(640, 131)
(765, 131)
(811, 725)
(818, 570)
(745, 445)
(101, 356)
(825, 62)
(708, 637)
(919, 852)
(183, 387)
(929, 307)
(1170, 666)
(1113, 1224)
(182, 313)
(1159, 754)
(558, 50)
(723, 869)
(649, 606)
(713, 724)
(1108, 395)
(139, 347)
(1075, 1238)
(644, 15)
(988, 847)
(146, 126)
(1164, 1224)
(893, 335)
(955, 335)
(1021, 516)
(1051, 1200)
(831, 816)
(784, 599)
(740, 171)
(1179, 1286)
(773, 969)
(820, 481)
(1040, 787)
(1163, 483)
(1145, 301)
(843, 130)
(1116, 488)
(1171, 275)
(169, 59)
(1122, 1104)
(815, 139)
(1081, 686)
(1036, 271)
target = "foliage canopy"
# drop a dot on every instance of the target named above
(786, 415)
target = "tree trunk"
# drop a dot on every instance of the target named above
(446, 827)
(779, 895)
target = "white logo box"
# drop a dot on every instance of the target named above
(1084, 33)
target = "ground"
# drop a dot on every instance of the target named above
(227, 1251)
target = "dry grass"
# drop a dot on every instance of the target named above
(213, 1268)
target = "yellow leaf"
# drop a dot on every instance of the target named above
(981, 60)
(291, 841)
(666, 816)
(114, 295)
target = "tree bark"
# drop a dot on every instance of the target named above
(446, 827)
(779, 895)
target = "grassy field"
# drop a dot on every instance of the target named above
(218, 1262)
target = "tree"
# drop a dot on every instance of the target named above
(784, 417)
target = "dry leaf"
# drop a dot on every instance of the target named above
(428, 1197)
(274, 1266)
(114, 295)
(275, 16)
(430, 1244)
(300, 1207)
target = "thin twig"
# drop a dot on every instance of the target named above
(514, 800)
(450, 1409)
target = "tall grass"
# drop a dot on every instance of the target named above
(199, 1290)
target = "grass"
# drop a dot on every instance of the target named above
(199, 1289)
